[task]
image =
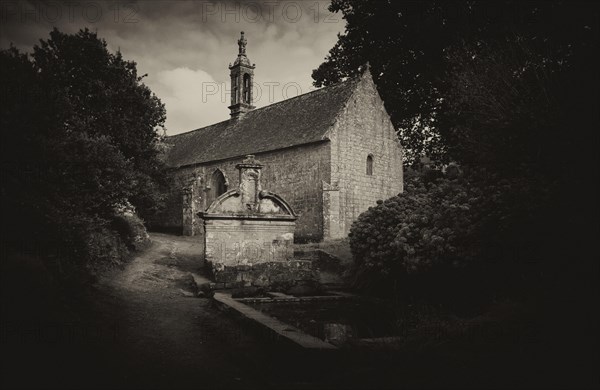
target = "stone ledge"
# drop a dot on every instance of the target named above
(289, 298)
(280, 328)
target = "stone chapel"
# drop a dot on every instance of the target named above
(330, 153)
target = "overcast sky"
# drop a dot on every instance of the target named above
(185, 47)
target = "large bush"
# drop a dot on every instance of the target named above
(81, 142)
(442, 226)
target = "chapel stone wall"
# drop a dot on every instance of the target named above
(363, 129)
(296, 173)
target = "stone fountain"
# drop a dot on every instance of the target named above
(249, 235)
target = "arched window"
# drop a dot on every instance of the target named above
(234, 95)
(247, 87)
(370, 165)
(218, 186)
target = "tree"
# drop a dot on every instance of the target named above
(421, 52)
(80, 141)
(508, 89)
(102, 94)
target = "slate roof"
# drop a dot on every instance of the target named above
(300, 120)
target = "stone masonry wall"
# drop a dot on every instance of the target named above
(297, 174)
(362, 129)
(255, 252)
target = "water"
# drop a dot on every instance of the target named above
(336, 322)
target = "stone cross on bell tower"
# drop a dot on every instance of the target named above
(242, 81)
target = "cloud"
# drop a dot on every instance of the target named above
(184, 46)
(192, 97)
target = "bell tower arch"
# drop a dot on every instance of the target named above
(242, 81)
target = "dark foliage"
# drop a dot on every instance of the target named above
(460, 78)
(79, 143)
(507, 88)
(470, 228)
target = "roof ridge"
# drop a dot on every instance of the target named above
(348, 80)
(354, 78)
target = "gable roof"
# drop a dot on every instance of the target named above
(300, 120)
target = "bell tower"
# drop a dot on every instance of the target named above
(242, 82)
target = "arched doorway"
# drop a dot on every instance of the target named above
(217, 187)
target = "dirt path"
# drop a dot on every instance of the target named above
(164, 337)
(139, 328)
(164, 268)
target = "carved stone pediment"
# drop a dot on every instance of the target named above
(249, 199)
(234, 203)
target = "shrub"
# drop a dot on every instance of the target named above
(443, 227)
(132, 231)
(105, 249)
(85, 246)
